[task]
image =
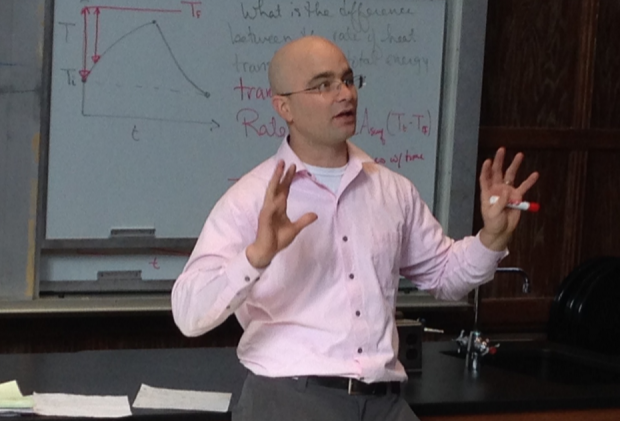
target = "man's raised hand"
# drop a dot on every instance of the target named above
(275, 230)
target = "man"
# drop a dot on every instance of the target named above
(309, 258)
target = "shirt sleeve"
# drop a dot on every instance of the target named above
(446, 268)
(217, 277)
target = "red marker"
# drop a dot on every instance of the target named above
(524, 206)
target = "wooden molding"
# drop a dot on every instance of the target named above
(611, 414)
(588, 27)
(541, 138)
(575, 194)
(515, 312)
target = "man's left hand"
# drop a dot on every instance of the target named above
(500, 221)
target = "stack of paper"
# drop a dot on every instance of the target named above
(68, 405)
(12, 401)
(159, 398)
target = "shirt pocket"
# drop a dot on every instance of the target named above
(385, 253)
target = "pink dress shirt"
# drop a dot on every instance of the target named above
(325, 305)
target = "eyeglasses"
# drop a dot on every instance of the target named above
(332, 87)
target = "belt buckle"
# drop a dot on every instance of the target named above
(352, 389)
(349, 388)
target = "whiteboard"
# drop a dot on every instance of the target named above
(159, 106)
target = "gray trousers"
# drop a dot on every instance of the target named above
(288, 399)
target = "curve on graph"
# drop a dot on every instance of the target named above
(168, 48)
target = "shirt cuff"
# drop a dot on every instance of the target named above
(485, 257)
(241, 273)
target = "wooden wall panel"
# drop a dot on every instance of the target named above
(530, 56)
(601, 222)
(606, 92)
(557, 98)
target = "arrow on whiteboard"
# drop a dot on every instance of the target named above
(84, 72)
(214, 125)
(96, 56)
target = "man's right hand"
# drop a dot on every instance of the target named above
(275, 229)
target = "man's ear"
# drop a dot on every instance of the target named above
(283, 107)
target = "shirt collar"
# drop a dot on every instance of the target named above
(357, 157)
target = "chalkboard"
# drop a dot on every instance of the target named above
(159, 106)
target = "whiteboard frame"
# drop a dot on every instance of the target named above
(455, 179)
(101, 183)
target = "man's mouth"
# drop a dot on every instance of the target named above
(346, 114)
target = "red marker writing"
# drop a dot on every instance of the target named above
(524, 206)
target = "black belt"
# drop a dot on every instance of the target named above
(355, 387)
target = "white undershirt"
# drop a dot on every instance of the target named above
(329, 177)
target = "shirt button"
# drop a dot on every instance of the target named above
(247, 279)
(351, 276)
(345, 238)
(359, 350)
(357, 313)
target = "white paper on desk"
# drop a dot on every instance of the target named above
(60, 404)
(11, 398)
(10, 390)
(159, 398)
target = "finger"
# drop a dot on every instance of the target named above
(498, 164)
(485, 179)
(304, 221)
(292, 230)
(528, 183)
(285, 184)
(272, 187)
(280, 197)
(511, 171)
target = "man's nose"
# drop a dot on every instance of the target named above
(344, 92)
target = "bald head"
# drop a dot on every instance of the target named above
(293, 57)
(320, 121)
